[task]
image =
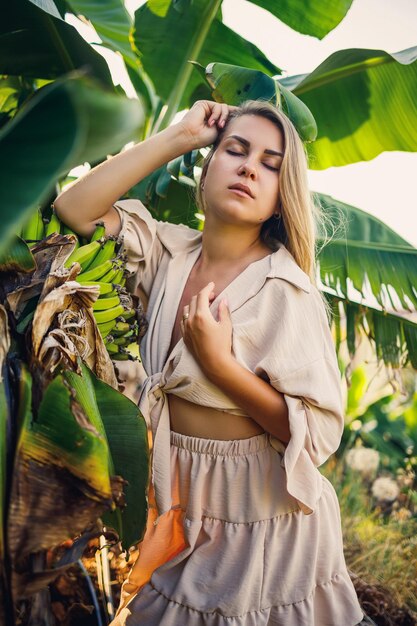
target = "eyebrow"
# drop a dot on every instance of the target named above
(247, 144)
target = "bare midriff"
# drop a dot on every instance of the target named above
(195, 420)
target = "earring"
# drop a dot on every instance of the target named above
(277, 217)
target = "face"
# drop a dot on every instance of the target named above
(250, 153)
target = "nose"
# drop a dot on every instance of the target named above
(247, 169)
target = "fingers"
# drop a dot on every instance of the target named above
(223, 311)
(203, 297)
(193, 306)
(198, 303)
(220, 113)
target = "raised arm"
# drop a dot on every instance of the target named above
(91, 198)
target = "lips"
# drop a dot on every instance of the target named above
(243, 188)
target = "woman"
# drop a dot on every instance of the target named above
(242, 389)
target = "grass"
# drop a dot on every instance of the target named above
(380, 540)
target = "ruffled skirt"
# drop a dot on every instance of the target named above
(235, 549)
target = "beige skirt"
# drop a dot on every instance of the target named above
(235, 549)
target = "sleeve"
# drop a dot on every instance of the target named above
(301, 363)
(140, 242)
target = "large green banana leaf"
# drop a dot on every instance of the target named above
(37, 44)
(363, 102)
(112, 23)
(120, 422)
(366, 251)
(308, 16)
(66, 453)
(65, 124)
(128, 442)
(114, 26)
(167, 41)
(64, 475)
(394, 336)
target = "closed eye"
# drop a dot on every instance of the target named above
(269, 167)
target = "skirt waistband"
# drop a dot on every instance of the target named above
(221, 447)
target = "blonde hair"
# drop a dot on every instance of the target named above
(301, 215)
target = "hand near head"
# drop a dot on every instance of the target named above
(204, 120)
(209, 341)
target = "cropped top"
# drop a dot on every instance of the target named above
(280, 333)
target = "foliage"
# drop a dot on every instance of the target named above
(380, 542)
(383, 421)
(73, 447)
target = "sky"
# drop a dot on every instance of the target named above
(385, 186)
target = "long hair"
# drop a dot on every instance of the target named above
(301, 215)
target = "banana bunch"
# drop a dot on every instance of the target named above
(37, 228)
(102, 264)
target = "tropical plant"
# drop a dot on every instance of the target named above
(59, 109)
(70, 439)
(384, 420)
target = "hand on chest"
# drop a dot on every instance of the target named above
(192, 288)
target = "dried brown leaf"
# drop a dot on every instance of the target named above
(50, 255)
(70, 295)
(68, 309)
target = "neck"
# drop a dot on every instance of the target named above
(230, 245)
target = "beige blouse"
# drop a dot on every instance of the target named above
(280, 332)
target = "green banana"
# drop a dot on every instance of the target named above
(110, 275)
(124, 340)
(99, 232)
(119, 276)
(124, 356)
(103, 304)
(33, 227)
(129, 313)
(108, 314)
(53, 226)
(106, 328)
(121, 328)
(107, 252)
(118, 353)
(83, 255)
(105, 288)
(112, 349)
(95, 274)
(40, 232)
